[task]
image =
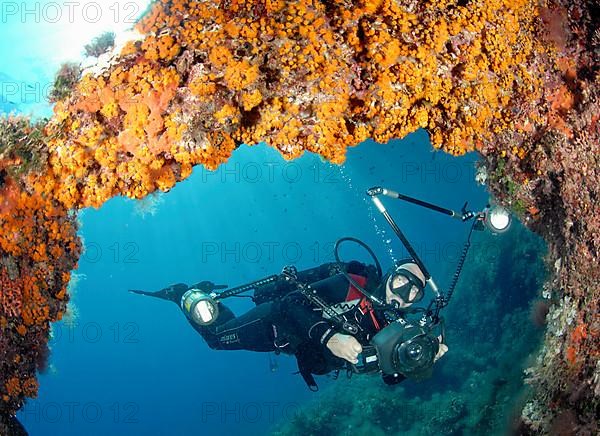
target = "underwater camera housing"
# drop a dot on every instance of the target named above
(400, 348)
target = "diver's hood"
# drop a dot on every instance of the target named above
(406, 265)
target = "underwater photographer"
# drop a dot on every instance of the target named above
(323, 317)
(341, 315)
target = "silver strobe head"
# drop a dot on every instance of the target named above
(199, 307)
(498, 219)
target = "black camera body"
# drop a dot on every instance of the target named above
(368, 360)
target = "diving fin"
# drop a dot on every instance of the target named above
(175, 292)
(172, 293)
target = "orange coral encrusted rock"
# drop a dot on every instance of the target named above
(297, 75)
(38, 248)
(317, 76)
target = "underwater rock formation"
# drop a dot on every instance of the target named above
(201, 78)
(513, 79)
(38, 249)
(554, 185)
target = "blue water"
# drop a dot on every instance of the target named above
(126, 364)
(132, 365)
(37, 36)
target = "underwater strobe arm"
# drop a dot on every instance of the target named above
(374, 193)
(463, 216)
(496, 219)
(202, 307)
(244, 288)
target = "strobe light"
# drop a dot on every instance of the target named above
(198, 306)
(497, 219)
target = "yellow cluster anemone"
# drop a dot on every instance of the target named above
(38, 249)
(300, 76)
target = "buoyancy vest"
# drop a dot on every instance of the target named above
(364, 305)
(312, 360)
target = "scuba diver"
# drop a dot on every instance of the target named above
(340, 315)
(327, 331)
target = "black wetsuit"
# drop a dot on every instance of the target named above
(285, 321)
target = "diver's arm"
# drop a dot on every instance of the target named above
(345, 347)
(309, 320)
(307, 323)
